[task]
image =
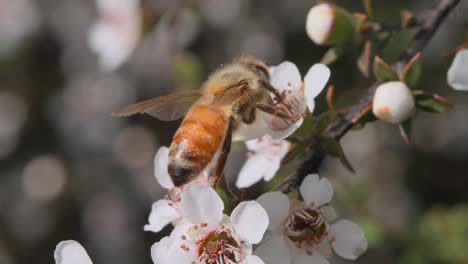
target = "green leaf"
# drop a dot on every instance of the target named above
(295, 140)
(364, 59)
(383, 72)
(431, 102)
(333, 54)
(412, 72)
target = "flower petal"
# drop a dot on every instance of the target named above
(277, 206)
(252, 171)
(201, 204)
(71, 252)
(286, 76)
(315, 191)
(303, 258)
(456, 76)
(314, 82)
(162, 213)
(252, 131)
(349, 240)
(160, 168)
(328, 212)
(270, 171)
(274, 251)
(168, 250)
(252, 259)
(287, 132)
(250, 221)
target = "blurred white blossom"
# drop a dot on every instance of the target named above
(208, 236)
(296, 95)
(71, 252)
(302, 233)
(18, 19)
(116, 33)
(44, 178)
(264, 160)
(457, 75)
(393, 102)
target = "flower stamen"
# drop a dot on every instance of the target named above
(306, 227)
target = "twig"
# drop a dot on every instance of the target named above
(429, 23)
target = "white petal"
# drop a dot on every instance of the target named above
(274, 251)
(270, 171)
(328, 212)
(71, 252)
(201, 204)
(255, 130)
(252, 171)
(286, 77)
(162, 213)
(287, 132)
(314, 82)
(160, 168)
(315, 191)
(168, 250)
(277, 206)
(250, 221)
(349, 240)
(303, 258)
(252, 259)
(456, 76)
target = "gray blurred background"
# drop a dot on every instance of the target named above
(68, 170)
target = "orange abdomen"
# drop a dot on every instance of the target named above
(195, 143)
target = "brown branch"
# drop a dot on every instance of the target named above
(429, 23)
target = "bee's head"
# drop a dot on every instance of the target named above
(257, 66)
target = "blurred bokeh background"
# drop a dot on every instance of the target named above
(68, 170)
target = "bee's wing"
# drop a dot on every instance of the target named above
(166, 108)
(228, 96)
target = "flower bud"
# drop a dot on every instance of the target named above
(328, 24)
(393, 102)
(457, 76)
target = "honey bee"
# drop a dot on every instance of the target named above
(230, 96)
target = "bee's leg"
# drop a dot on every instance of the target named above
(225, 149)
(249, 116)
(279, 98)
(271, 110)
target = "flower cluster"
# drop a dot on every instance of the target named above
(202, 233)
(303, 232)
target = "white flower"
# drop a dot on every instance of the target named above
(18, 20)
(297, 96)
(328, 24)
(169, 209)
(393, 102)
(303, 234)
(457, 76)
(208, 236)
(319, 22)
(71, 252)
(264, 162)
(115, 35)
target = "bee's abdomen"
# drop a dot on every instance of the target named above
(195, 143)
